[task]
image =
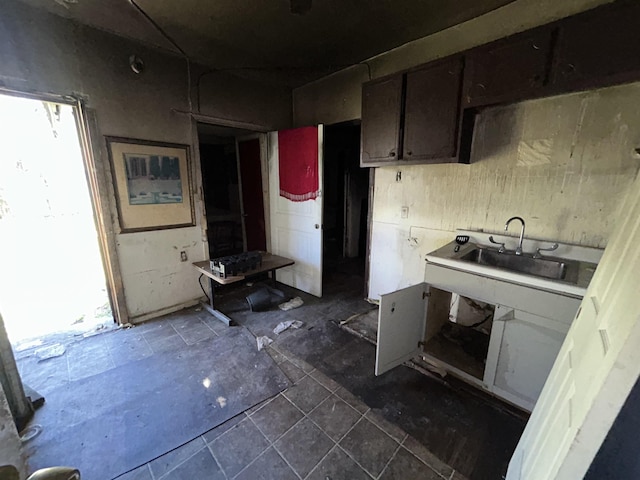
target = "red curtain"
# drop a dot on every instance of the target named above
(298, 163)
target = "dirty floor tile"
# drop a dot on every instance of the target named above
(335, 417)
(303, 446)
(325, 381)
(369, 446)
(200, 465)
(427, 457)
(140, 473)
(351, 399)
(214, 433)
(268, 466)
(167, 462)
(391, 429)
(337, 464)
(292, 372)
(276, 417)
(238, 447)
(405, 465)
(307, 394)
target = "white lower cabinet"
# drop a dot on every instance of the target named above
(522, 349)
(512, 361)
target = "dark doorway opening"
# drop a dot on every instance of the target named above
(249, 157)
(231, 165)
(346, 193)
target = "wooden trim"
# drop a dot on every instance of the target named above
(43, 97)
(367, 263)
(135, 141)
(96, 179)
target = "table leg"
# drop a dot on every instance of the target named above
(273, 277)
(210, 307)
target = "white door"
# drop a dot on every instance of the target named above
(401, 326)
(597, 366)
(296, 227)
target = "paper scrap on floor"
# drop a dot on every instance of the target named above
(263, 342)
(291, 304)
(282, 326)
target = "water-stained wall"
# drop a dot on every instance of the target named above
(562, 163)
(43, 52)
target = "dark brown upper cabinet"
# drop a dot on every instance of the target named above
(432, 112)
(511, 69)
(598, 48)
(381, 112)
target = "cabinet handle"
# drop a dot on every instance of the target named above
(535, 47)
(570, 68)
(409, 152)
(481, 86)
(392, 154)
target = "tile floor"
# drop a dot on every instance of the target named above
(316, 429)
(313, 430)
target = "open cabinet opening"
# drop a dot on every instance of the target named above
(458, 331)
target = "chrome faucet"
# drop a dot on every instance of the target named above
(506, 227)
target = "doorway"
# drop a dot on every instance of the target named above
(53, 279)
(232, 179)
(346, 201)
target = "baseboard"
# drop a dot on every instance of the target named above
(163, 311)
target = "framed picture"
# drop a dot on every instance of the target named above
(152, 184)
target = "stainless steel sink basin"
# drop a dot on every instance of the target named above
(555, 269)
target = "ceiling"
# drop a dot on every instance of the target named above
(265, 39)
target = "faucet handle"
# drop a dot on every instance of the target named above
(550, 249)
(501, 249)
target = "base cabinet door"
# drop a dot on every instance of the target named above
(522, 350)
(401, 326)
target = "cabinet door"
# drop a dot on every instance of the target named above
(432, 111)
(401, 326)
(522, 350)
(381, 108)
(599, 48)
(511, 69)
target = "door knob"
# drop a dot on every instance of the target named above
(317, 226)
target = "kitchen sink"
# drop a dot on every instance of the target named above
(555, 269)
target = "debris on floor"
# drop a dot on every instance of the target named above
(30, 432)
(363, 325)
(282, 326)
(34, 397)
(263, 342)
(50, 351)
(27, 345)
(356, 315)
(291, 304)
(263, 298)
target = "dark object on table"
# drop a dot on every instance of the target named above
(232, 265)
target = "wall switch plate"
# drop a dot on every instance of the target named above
(183, 256)
(404, 212)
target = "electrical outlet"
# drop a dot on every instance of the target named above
(404, 212)
(183, 256)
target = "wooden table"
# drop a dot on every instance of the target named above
(270, 263)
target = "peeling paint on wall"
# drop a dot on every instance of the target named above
(562, 163)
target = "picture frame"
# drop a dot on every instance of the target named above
(152, 182)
